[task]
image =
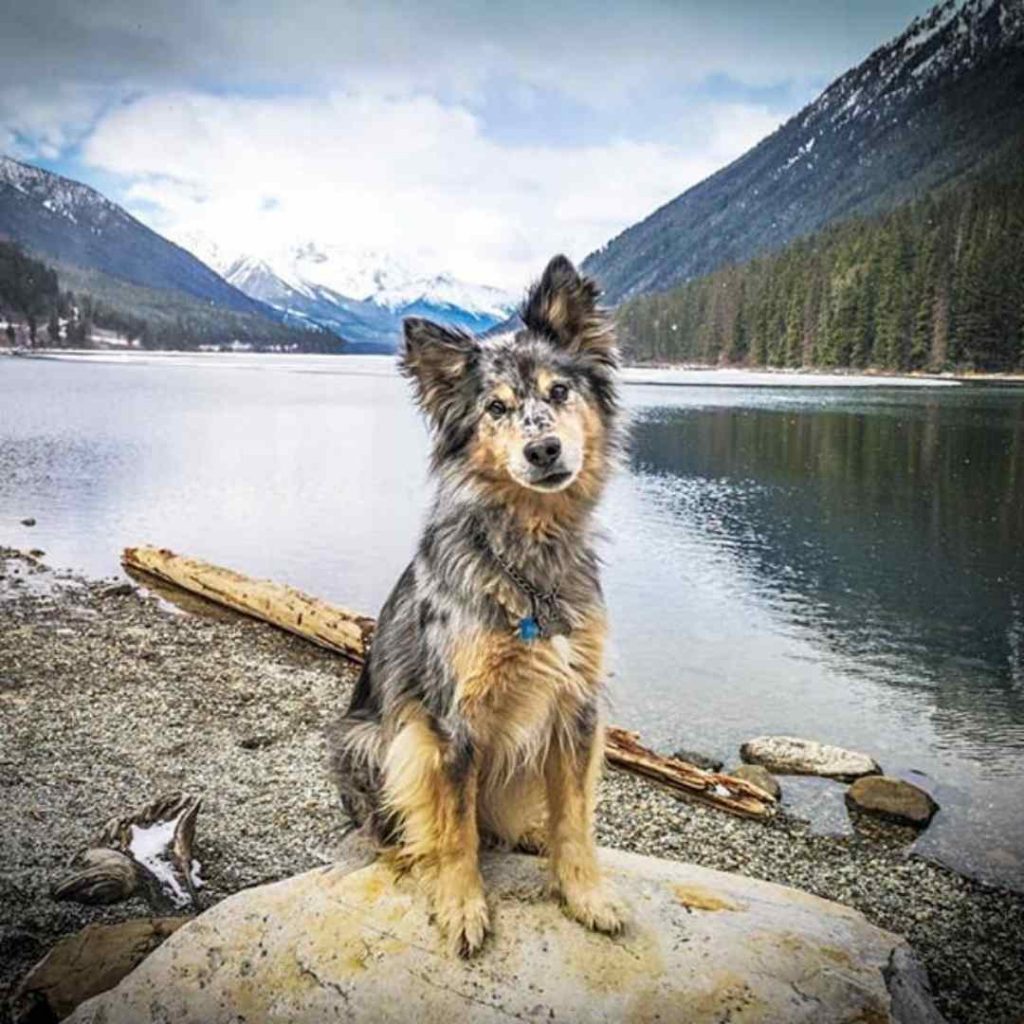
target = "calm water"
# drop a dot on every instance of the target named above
(839, 563)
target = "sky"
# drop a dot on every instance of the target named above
(469, 138)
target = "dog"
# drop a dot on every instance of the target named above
(477, 713)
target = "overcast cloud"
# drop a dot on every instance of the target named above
(474, 138)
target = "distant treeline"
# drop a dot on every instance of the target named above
(936, 284)
(30, 294)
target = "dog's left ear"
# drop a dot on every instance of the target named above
(563, 305)
(438, 361)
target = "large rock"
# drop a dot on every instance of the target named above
(89, 962)
(891, 799)
(788, 755)
(357, 946)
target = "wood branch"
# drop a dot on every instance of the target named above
(624, 750)
(349, 633)
(330, 626)
(149, 852)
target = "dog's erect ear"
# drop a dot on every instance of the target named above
(438, 361)
(563, 305)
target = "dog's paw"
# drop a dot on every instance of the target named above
(595, 906)
(464, 922)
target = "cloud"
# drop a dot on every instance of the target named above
(608, 56)
(473, 137)
(411, 176)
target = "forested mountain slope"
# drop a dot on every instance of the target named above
(936, 284)
(922, 111)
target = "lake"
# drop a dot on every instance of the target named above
(843, 563)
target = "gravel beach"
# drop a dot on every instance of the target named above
(109, 698)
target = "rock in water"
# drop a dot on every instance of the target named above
(82, 965)
(760, 777)
(892, 799)
(704, 945)
(705, 762)
(788, 755)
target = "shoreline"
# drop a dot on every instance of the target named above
(687, 374)
(109, 698)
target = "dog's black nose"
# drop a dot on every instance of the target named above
(543, 453)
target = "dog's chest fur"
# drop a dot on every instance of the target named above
(516, 696)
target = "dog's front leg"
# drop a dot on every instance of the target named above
(433, 786)
(459, 894)
(572, 771)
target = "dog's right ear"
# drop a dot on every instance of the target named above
(438, 361)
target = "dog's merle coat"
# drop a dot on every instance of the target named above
(456, 608)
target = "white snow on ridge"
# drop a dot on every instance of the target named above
(364, 275)
(57, 194)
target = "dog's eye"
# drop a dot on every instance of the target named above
(497, 408)
(558, 394)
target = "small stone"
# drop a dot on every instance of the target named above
(257, 741)
(118, 590)
(28, 521)
(789, 755)
(703, 761)
(758, 776)
(891, 799)
(37, 553)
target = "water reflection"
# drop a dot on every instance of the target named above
(894, 531)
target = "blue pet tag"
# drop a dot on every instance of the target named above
(529, 628)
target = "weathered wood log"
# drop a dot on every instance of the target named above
(349, 633)
(330, 626)
(624, 750)
(149, 851)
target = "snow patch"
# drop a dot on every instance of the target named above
(151, 847)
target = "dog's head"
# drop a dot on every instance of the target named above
(534, 408)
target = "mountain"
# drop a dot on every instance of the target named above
(362, 294)
(925, 110)
(72, 223)
(934, 285)
(133, 277)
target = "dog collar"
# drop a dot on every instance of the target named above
(547, 618)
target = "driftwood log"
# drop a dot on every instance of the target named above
(330, 626)
(148, 852)
(350, 634)
(623, 749)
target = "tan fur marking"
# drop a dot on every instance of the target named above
(558, 311)
(572, 774)
(440, 840)
(504, 393)
(544, 379)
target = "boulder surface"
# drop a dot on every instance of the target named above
(334, 944)
(789, 755)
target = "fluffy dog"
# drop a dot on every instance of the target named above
(477, 712)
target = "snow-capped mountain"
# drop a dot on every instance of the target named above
(362, 294)
(64, 220)
(923, 110)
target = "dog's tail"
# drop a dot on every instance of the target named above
(357, 756)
